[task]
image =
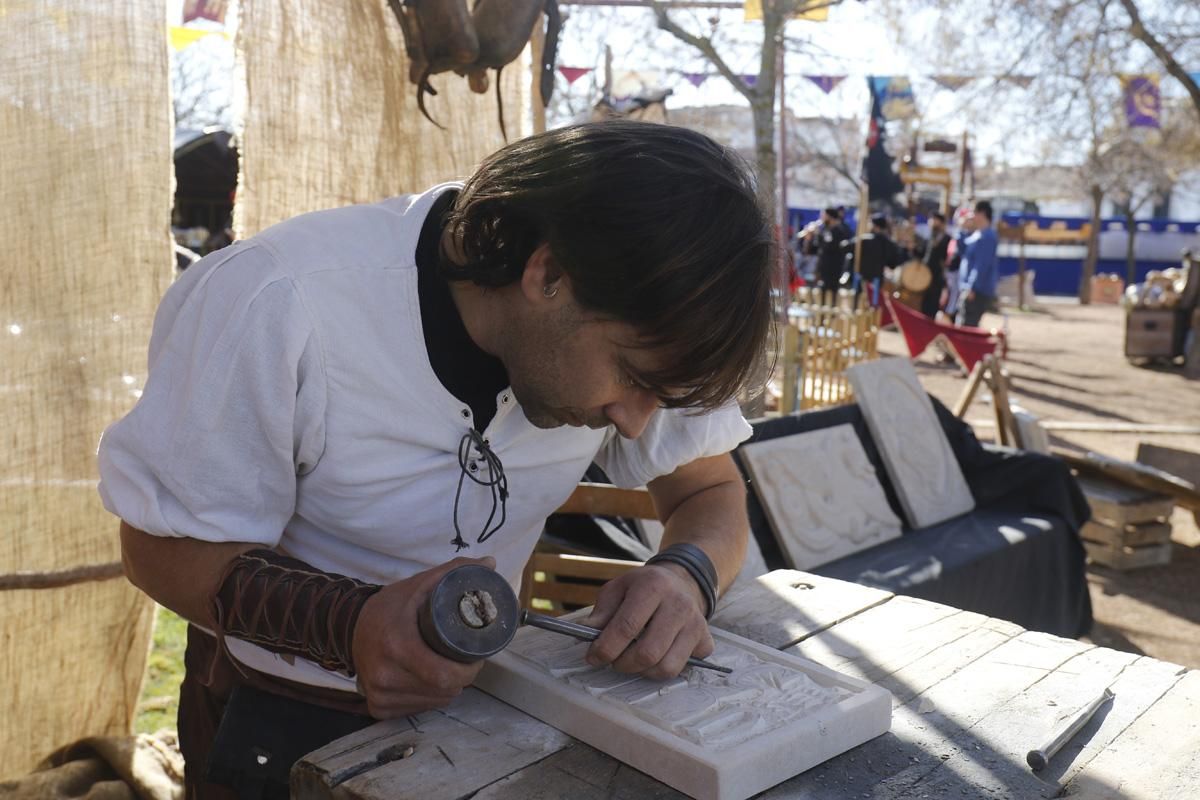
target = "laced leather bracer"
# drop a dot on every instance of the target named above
(288, 607)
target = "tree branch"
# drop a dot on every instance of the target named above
(1138, 30)
(704, 45)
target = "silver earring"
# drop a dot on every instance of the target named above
(549, 291)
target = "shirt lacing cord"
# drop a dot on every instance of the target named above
(494, 479)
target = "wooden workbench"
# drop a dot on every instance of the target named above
(972, 696)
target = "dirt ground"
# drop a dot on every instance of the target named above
(1066, 364)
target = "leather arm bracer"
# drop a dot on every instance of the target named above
(288, 607)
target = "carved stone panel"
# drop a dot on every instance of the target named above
(711, 735)
(821, 494)
(911, 441)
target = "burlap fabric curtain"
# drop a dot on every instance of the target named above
(331, 118)
(85, 193)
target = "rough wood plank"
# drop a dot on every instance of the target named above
(1139, 686)
(787, 606)
(1181, 463)
(454, 752)
(883, 640)
(1155, 758)
(604, 500)
(1023, 723)
(1118, 557)
(579, 772)
(935, 724)
(1132, 535)
(1119, 505)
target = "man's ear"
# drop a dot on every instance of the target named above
(543, 278)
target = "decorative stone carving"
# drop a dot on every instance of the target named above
(911, 441)
(711, 735)
(821, 494)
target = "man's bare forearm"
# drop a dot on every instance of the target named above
(704, 504)
(179, 573)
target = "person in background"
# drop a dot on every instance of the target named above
(979, 270)
(935, 259)
(827, 243)
(878, 252)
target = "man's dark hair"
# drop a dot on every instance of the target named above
(938, 216)
(880, 221)
(985, 208)
(834, 212)
(656, 226)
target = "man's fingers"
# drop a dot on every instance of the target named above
(625, 624)
(608, 600)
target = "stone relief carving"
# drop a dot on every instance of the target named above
(911, 441)
(821, 495)
(705, 707)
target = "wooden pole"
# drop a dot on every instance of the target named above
(1021, 270)
(785, 241)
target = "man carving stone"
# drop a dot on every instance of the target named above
(342, 407)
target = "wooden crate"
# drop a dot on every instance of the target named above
(1129, 535)
(1117, 505)
(1152, 333)
(1123, 558)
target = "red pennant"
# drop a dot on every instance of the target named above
(573, 74)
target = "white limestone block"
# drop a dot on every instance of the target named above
(911, 442)
(821, 494)
(710, 735)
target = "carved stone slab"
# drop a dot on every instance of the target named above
(709, 735)
(821, 494)
(911, 441)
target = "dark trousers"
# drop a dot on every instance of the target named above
(268, 716)
(970, 310)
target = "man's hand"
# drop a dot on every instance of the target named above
(971, 296)
(661, 606)
(397, 672)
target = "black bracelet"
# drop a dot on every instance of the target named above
(698, 565)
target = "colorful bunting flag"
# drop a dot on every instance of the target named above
(750, 80)
(1195, 76)
(895, 95)
(205, 9)
(752, 10)
(952, 82)
(1143, 102)
(696, 78)
(184, 37)
(573, 74)
(827, 83)
(1023, 81)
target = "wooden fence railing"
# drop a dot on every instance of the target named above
(818, 344)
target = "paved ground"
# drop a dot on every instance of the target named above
(1066, 364)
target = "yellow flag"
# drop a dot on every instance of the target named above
(753, 11)
(182, 37)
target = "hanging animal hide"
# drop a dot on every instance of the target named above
(441, 36)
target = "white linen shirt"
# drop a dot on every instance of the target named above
(290, 402)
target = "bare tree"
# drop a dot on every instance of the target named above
(761, 94)
(1077, 49)
(202, 84)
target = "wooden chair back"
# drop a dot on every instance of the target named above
(556, 582)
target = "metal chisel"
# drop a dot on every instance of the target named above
(587, 634)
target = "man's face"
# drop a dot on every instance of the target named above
(567, 367)
(936, 226)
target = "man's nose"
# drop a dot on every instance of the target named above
(632, 413)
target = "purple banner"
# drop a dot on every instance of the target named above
(827, 83)
(1143, 103)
